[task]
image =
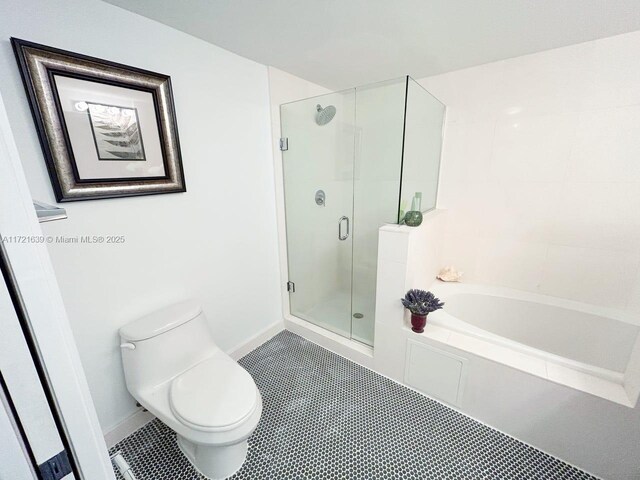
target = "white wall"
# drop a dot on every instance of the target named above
(216, 242)
(541, 177)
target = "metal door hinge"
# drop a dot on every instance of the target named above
(56, 467)
(284, 144)
(291, 287)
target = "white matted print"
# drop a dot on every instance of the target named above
(113, 131)
(116, 131)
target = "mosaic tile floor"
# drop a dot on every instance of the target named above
(325, 417)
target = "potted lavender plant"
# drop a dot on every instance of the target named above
(420, 304)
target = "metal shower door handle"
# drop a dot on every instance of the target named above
(340, 235)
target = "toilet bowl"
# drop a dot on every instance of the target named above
(176, 371)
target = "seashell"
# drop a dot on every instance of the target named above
(449, 274)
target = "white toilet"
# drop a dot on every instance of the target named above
(176, 371)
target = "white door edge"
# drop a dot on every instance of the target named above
(47, 317)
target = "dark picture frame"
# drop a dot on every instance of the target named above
(119, 147)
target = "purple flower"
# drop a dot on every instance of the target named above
(420, 302)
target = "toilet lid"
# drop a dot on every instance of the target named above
(216, 394)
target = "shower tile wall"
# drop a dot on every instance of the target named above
(421, 149)
(540, 173)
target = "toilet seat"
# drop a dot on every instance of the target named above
(214, 395)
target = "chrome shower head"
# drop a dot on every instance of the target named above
(325, 115)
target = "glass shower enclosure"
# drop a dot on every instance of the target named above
(353, 161)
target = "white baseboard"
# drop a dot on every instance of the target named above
(127, 427)
(350, 349)
(258, 339)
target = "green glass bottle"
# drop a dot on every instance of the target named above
(413, 218)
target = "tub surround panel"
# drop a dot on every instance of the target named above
(408, 257)
(391, 281)
(632, 385)
(595, 434)
(540, 171)
(444, 328)
(499, 354)
(443, 379)
(389, 354)
(575, 415)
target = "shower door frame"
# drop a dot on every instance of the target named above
(351, 349)
(320, 313)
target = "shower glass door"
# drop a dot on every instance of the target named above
(318, 170)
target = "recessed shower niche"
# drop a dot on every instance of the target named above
(353, 161)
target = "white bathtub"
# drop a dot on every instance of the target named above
(582, 346)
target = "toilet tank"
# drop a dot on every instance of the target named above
(163, 344)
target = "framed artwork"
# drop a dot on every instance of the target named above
(107, 130)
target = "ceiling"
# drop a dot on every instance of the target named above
(344, 43)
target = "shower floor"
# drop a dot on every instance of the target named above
(330, 314)
(325, 417)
